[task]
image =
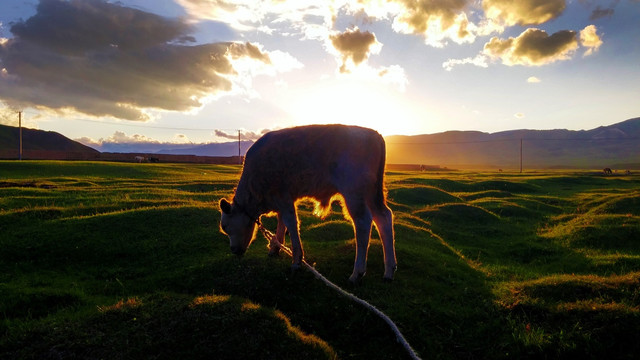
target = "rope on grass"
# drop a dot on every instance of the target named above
(399, 337)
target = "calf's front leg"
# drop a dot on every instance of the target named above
(274, 249)
(290, 219)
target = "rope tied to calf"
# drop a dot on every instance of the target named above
(271, 237)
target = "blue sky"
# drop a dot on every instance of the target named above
(199, 70)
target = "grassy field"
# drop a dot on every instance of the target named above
(125, 261)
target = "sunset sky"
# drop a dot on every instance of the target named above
(200, 70)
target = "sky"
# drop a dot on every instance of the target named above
(199, 71)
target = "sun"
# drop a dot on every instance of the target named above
(352, 102)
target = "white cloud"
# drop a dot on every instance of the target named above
(436, 21)
(533, 80)
(479, 60)
(590, 39)
(244, 134)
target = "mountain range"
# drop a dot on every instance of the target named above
(615, 146)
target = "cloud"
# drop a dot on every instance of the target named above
(436, 20)
(599, 13)
(120, 137)
(519, 115)
(122, 142)
(533, 80)
(590, 39)
(478, 60)
(354, 47)
(250, 15)
(8, 117)
(244, 134)
(393, 75)
(523, 12)
(104, 59)
(533, 47)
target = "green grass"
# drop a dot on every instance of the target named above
(110, 260)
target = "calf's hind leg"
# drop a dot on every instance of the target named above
(383, 217)
(361, 217)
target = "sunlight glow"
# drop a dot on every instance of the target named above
(352, 102)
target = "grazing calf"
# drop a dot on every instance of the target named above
(317, 162)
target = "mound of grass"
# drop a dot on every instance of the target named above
(571, 315)
(462, 213)
(493, 194)
(170, 327)
(33, 303)
(421, 196)
(604, 232)
(557, 290)
(334, 230)
(625, 204)
(505, 209)
(503, 185)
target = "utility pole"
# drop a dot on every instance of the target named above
(20, 126)
(239, 156)
(521, 155)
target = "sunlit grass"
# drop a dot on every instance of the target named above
(491, 265)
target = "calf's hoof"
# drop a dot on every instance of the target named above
(356, 277)
(275, 252)
(388, 275)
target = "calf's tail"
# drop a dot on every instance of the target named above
(380, 196)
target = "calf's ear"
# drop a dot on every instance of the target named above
(225, 206)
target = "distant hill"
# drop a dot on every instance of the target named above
(36, 143)
(615, 146)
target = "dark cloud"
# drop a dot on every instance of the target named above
(353, 45)
(523, 12)
(599, 13)
(101, 24)
(104, 59)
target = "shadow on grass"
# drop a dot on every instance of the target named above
(164, 326)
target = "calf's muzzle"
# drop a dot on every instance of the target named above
(237, 250)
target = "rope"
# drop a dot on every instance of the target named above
(399, 337)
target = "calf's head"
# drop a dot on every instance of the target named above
(236, 224)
